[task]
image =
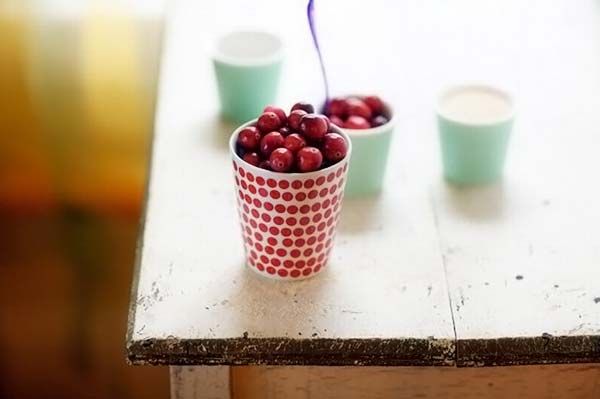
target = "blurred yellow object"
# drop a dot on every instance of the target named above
(92, 69)
(24, 173)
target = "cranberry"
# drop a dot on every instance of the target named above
(334, 147)
(278, 111)
(359, 108)
(314, 126)
(281, 160)
(268, 122)
(249, 138)
(265, 164)
(270, 142)
(356, 122)
(304, 106)
(374, 103)
(295, 117)
(379, 120)
(337, 107)
(252, 158)
(294, 142)
(336, 120)
(309, 159)
(285, 131)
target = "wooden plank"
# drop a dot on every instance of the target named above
(522, 257)
(531, 382)
(200, 382)
(383, 300)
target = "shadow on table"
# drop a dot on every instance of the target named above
(280, 307)
(215, 131)
(476, 202)
(361, 214)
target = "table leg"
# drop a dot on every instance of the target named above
(208, 382)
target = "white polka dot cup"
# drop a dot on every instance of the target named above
(288, 220)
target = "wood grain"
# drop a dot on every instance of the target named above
(530, 382)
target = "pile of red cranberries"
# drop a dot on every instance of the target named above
(357, 112)
(301, 141)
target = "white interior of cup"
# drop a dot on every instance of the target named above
(248, 48)
(476, 105)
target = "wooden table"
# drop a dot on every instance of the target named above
(435, 276)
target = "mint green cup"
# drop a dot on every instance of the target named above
(368, 163)
(474, 125)
(247, 67)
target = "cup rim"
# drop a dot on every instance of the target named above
(256, 169)
(273, 56)
(477, 86)
(373, 131)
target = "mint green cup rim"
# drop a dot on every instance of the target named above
(248, 48)
(476, 86)
(234, 154)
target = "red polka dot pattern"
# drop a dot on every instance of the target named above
(288, 224)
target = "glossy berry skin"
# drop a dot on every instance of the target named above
(268, 122)
(278, 111)
(336, 120)
(309, 159)
(337, 107)
(314, 126)
(252, 158)
(379, 120)
(358, 107)
(285, 131)
(304, 106)
(334, 147)
(249, 138)
(265, 164)
(270, 142)
(294, 119)
(356, 122)
(374, 103)
(281, 160)
(294, 142)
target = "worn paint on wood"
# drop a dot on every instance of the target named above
(424, 274)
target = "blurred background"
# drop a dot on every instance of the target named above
(78, 85)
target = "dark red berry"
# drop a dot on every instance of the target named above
(281, 160)
(334, 147)
(304, 106)
(249, 138)
(374, 103)
(336, 120)
(285, 131)
(278, 111)
(337, 107)
(356, 122)
(379, 120)
(270, 142)
(294, 142)
(265, 164)
(268, 122)
(294, 119)
(252, 158)
(309, 159)
(358, 107)
(314, 126)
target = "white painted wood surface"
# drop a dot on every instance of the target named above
(396, 254)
